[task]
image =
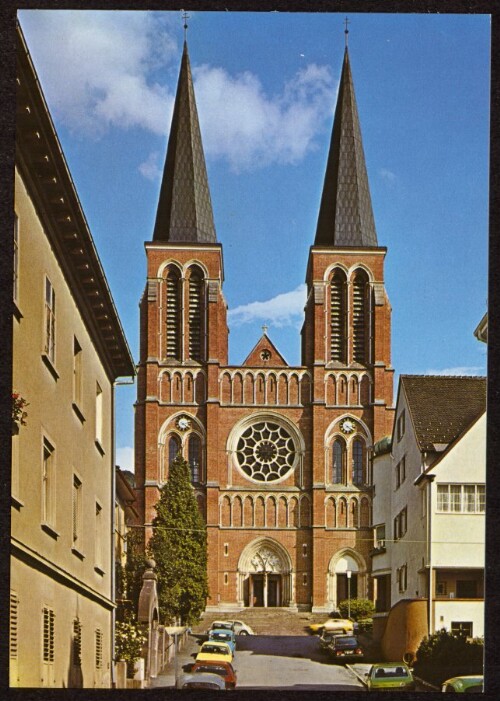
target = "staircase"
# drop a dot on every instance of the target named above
(266, 621)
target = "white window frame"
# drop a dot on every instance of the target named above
(48, 482)
(445, 503)
(50, 321)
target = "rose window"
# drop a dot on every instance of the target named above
(266, 451)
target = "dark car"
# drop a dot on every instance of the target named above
(223, 669)
(344, 647)
(202, 680)
(325, 640)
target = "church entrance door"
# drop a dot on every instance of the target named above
(265, 575)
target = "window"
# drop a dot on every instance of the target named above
(360, 317)
(462, 629)
(77, 510)
(400, 524)
(226, 578)
(48, 634)
(304, 549)
(77, 373)
(400, 426)
(226, 549)
(338, 317)
(98, 535)
(461, 498)
(98, 648)
(50, 321)
(402, 578)
(13, 630)
(380, 536)
(77, 643)
(338, 461)
(304, 579)
(174, 447)
(15, 291)
(173, 314)
(357, 462)
(98, 414)
(466, 589)
(441, 588)
(195, 314)
(400, 472)
(194, 457)
(48, 477)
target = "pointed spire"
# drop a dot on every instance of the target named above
(345, 215)
(185, 207)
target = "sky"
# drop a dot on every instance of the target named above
(266, 86)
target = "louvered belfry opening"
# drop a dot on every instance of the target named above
(338, 317)
(173, 314)
(360, 314)
(195, 314)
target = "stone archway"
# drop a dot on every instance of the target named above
(265, 575)
(338, 586)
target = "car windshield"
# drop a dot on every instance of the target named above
(201, 685)
(218, 649)
(221, 636)
(212, 669)
(384, 672)
(345, 642)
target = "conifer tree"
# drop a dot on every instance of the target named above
(179, 548)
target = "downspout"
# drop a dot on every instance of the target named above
(430, 623)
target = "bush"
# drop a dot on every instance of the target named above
(359, 608)
(443, 655)
(365, 624)
(130, 639)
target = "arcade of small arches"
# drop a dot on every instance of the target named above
(264, 511)
(347, 512)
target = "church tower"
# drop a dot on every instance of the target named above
(183, 328)
(279, 455)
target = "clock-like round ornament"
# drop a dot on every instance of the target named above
(183, 423)
(347, 426)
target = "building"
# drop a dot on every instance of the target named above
(429, 512)
(68, 350)
(279, 455)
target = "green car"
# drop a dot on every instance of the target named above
(389, 676)
(465, 685)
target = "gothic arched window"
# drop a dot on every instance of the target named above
(338, 317)
(173, 320)
(357, 461)
(174, 447)
(338, 461)
(195, 314)
(194, 457)
(360, 317)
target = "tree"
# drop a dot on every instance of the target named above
(135, 566)
(179, 548)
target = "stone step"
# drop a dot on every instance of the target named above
(265, 621)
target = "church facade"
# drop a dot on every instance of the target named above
(280, 456)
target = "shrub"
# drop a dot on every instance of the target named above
(129, 642)
(444, 655)
(365, 624)
(359, 608)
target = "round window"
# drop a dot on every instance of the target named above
(266, 451)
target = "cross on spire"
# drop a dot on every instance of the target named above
(346, 30)
(185, 17)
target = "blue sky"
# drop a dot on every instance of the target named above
(266, 86)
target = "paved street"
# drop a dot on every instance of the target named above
(279, 662)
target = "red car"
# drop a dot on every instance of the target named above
(224, 669)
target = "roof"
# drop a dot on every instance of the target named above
(345, 215)
(443, 406)
(42, 165)
(265, 354)
(185, 207)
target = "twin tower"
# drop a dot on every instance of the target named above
(280, 456)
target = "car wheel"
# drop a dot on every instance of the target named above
(243, 632)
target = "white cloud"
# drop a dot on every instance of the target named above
(251, 129)
(386, 174)
(125, 458)
(282, 310)
(150, 168)
(109, 60)
(472, 370)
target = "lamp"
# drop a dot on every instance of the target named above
(348, 574)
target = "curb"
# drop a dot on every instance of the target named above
(428, 685)
(357, 675)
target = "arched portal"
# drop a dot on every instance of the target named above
(265, 577)
(347, 577)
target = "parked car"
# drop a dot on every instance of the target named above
(223, 635)
(240, 628)
(387, 676)
(341, 625)
(214, 650)
(201, 680)
(325, 640)
(465, 685)
(343, 647)
(225, 670)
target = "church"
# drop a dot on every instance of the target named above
(280, 456)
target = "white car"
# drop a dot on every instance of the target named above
(240, 628)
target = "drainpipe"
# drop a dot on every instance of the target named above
(430, 612)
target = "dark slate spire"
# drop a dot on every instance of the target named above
(185, 208)
(345, 215)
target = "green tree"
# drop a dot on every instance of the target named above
(135, 566)
(179, 548)
(359, 608)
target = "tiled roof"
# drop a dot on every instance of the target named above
(185, 208)
(346, 216)
(442, 407)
